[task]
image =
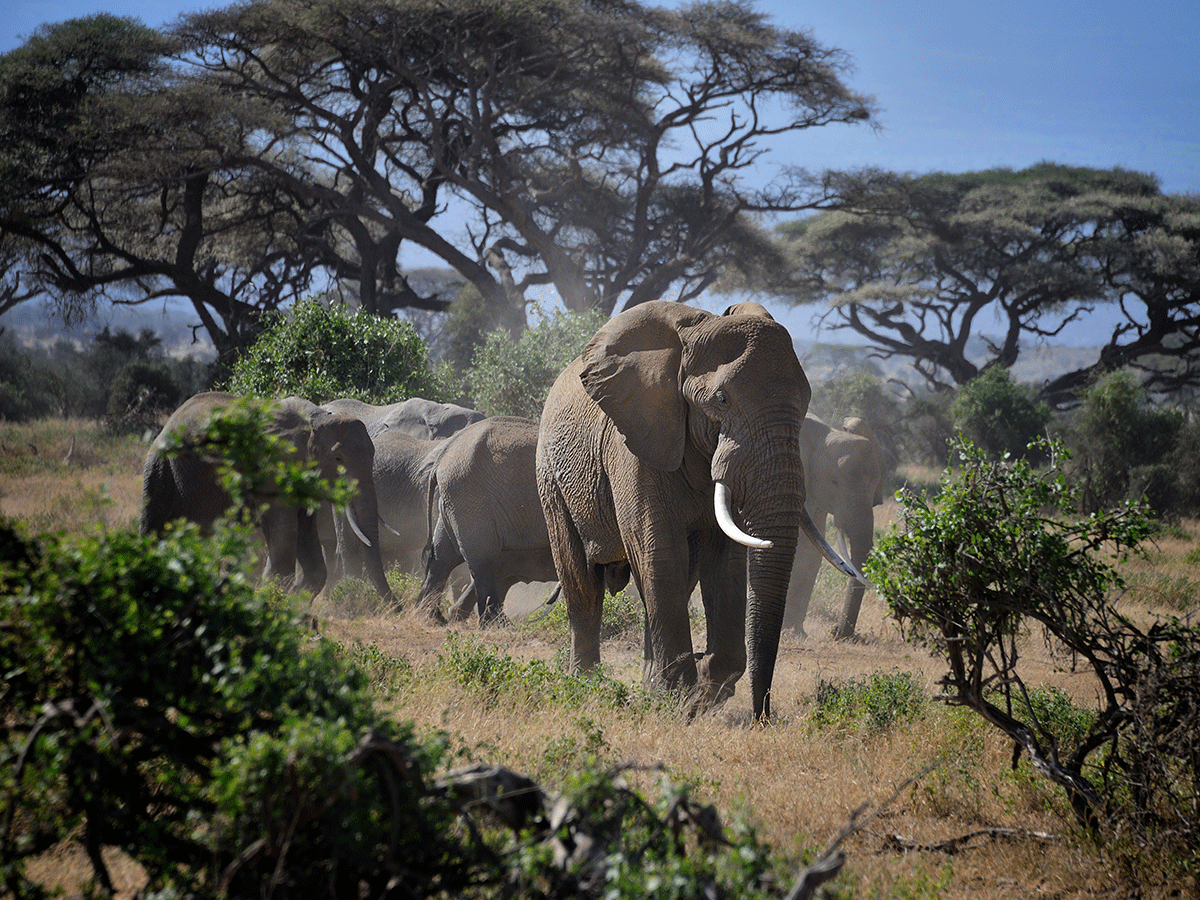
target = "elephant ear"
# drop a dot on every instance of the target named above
(631, 369)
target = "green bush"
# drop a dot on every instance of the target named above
(874, 703)
(997, 414)
(1001, 554)
(142, 394)
(512, 377)
(147, 683)
(1115, 433)
(322, 353)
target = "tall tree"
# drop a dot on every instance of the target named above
(611, 151)
(603, 147)
(921, 264)
(106, 194)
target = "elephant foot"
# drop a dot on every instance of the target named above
(431, 614)
(496, 620)
(459, 614)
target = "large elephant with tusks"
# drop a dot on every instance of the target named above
(672, 443)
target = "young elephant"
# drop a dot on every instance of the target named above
(484, 510)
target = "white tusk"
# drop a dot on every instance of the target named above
(725, 520)
(354, 527)
(809, 529)
(845, 554)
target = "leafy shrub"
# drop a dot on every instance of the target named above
(141, 396)
(1000, 554)
(323, 353)
(997, 414)
(874, 703)
(147, 682)
(512, 377)
(1118, 440)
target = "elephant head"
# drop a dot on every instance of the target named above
(673, 429)
(342, 448)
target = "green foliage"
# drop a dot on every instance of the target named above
(23, 394)
(322, 353)
(1119, 439)
(997, 414)
(512, 377)
(1000, 553)
(874, 703)
(144, 681)
(497, 679)
(142, 394)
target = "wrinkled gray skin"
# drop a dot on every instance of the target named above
(843, 477)
(421, 418)
(664, 403)
(187, 486)
(484, 510)
(401, 474)
(405, 433)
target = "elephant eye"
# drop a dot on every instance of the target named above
(720, 398)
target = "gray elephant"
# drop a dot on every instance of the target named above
(421, 418)
(401, 472)
(843, 477)
(672, 443)
(484, 510)
(187, 485)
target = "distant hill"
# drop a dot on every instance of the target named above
(34, 324)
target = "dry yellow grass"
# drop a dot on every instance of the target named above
(799, 783)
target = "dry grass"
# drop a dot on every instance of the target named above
(951, 776)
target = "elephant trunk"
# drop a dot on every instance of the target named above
(768, 489)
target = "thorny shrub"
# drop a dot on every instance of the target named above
(999, 555)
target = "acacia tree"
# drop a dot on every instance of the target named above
(604, 148)
(609, 150)
(107, 195)
(921, 264)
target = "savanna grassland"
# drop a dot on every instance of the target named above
(940, 809)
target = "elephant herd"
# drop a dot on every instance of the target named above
(676, 450)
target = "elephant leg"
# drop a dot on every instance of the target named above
(723, 591)
(487, 592)
(309, 555)
(800, 587)
(582, 584)
(664, 578)
(281, 533)
(441, 557)
(861, 534)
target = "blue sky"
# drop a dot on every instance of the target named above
(962, 85)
